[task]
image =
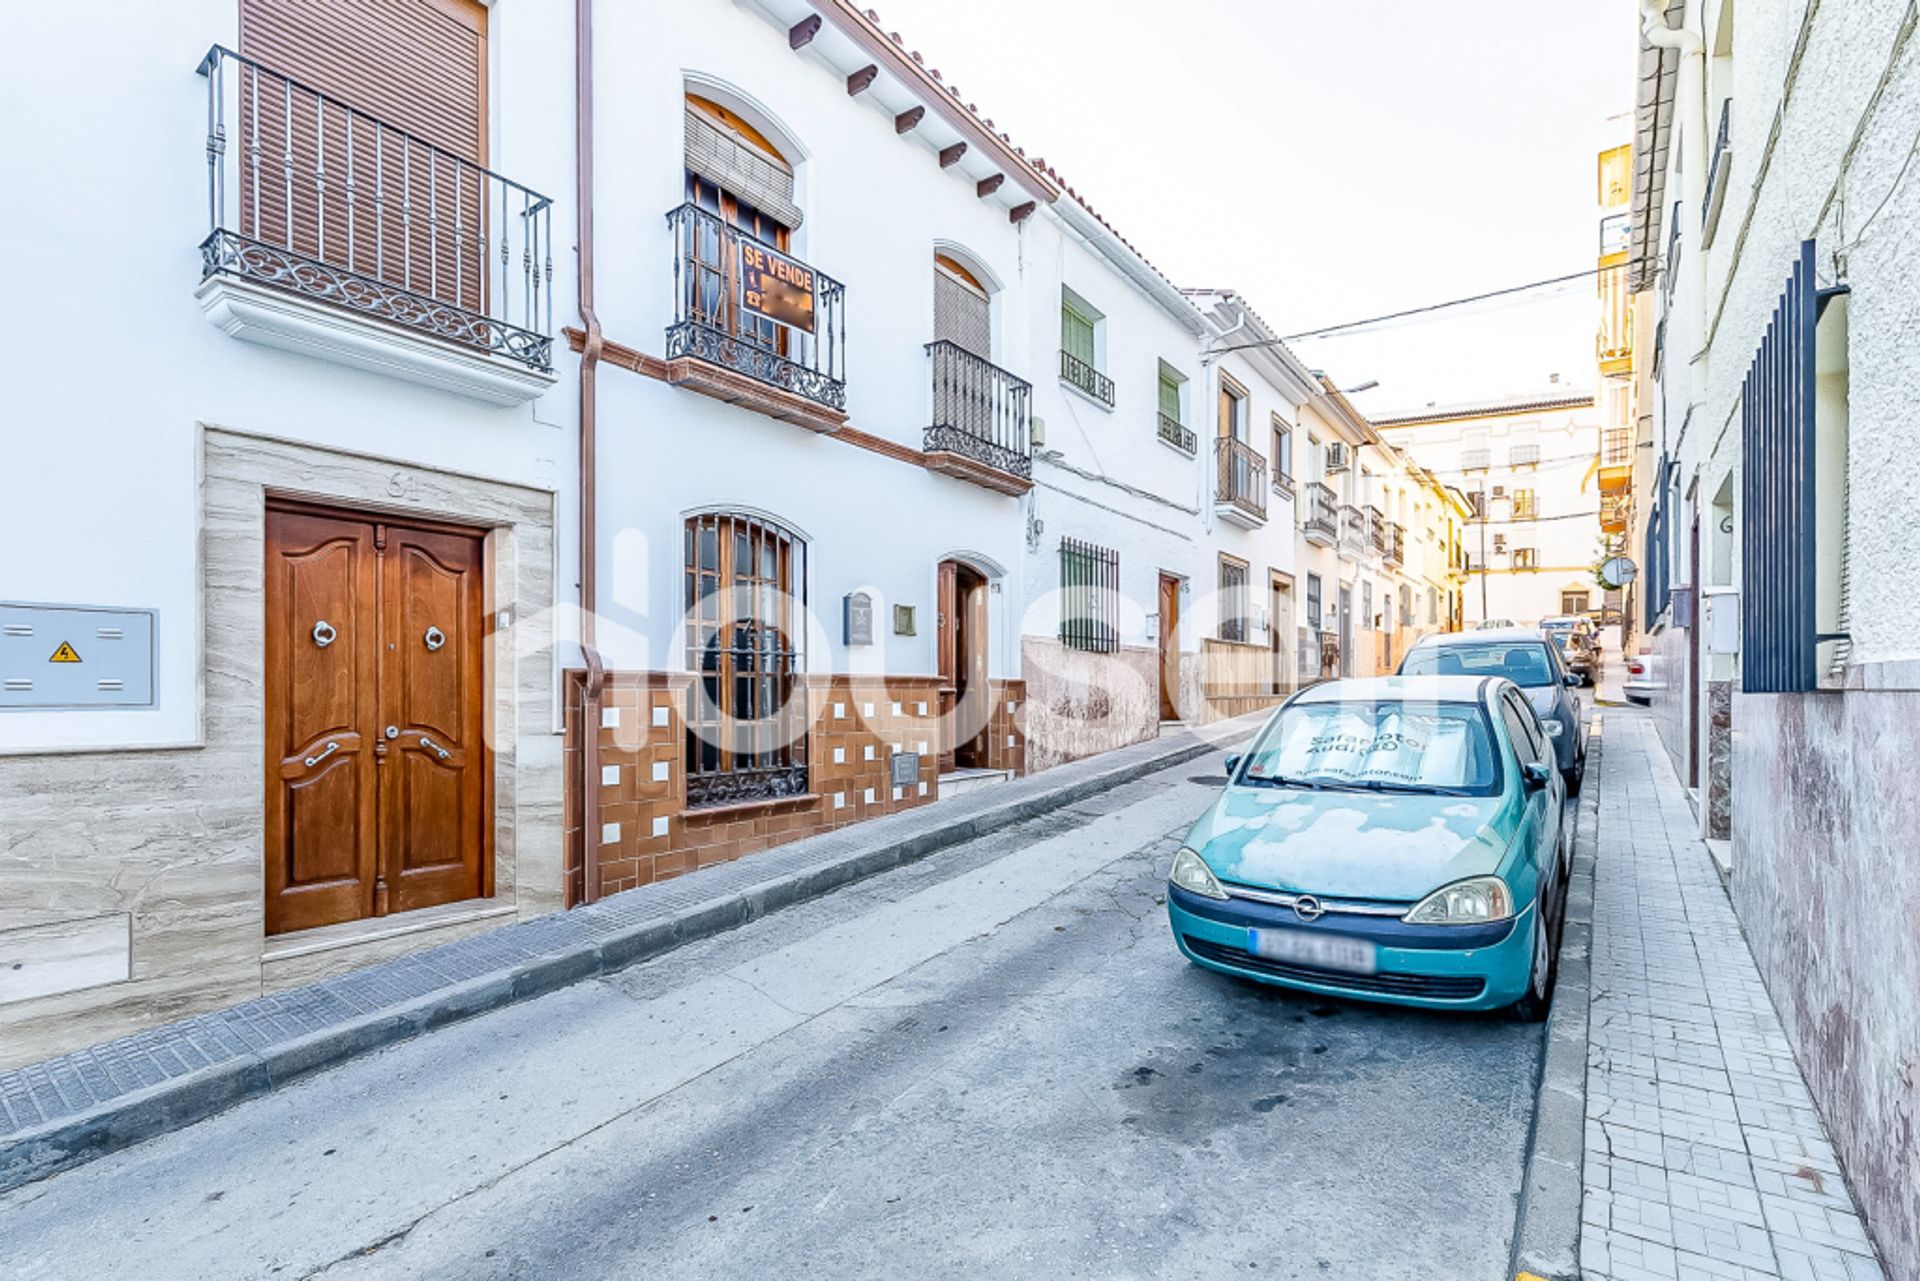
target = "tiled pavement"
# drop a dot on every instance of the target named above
(1705, 1157)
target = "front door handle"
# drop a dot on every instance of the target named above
(321, 755)
(434, 747)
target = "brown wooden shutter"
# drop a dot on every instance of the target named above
(419, 69)
(962, 314)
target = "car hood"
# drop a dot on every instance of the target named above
(1393, 846)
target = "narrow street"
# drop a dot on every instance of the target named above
(989, 1064)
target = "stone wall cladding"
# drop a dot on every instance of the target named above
(1827, 890)
(858, 722)
(1083, 703)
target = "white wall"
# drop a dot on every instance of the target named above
(115, 365)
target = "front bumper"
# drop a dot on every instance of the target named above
(1428, 966)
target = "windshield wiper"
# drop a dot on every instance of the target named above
(1280, 780)
(1377, 785)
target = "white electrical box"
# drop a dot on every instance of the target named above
(1720, 619)
(75, 656)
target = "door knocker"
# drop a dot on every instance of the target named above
(323, 633)
(435, 638)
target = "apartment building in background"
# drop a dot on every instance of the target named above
(1528, 467)
(517, 498)
(1774, 228)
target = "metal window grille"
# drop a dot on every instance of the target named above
(1089, 597)
(1777, 496)
(746, 713)
(1233, 600)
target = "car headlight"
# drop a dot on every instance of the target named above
(1470, 902)
(1191, 873)
(1554, 728)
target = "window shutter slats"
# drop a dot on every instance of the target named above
(715, 153)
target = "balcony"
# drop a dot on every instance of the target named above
(1180, 437)
(753, 326)
(1476, 459)
(1321, 524)
(1615, 511)
(1079, 375)
(1376, 529)
(1523, 455)
(1616, 459)
(1525, 505)
(1396, 545)
(1716, 196)
(1353, 532)
(1240, 487)
(982, 421)
(334, 234)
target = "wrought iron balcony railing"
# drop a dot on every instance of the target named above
(1523, 455)
(1080, 374)
(1396, 544)
(1717, 174)
(1353, 530)
(1241, 479)
(743, 305)
(980, 411)
(310, 195)
(1179, 436)
(1322, 514)
(1476, 459)
(1376, 529)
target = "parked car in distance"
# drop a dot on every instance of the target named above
(1642, 677)
(1494, 624)
(1579, 644)
(1396, 839)
(1526, 657)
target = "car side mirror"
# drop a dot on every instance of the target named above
(1535, 774)
(1570, 680)
(1233, 764)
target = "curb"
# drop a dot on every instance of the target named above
(592, 941)
(1546, 1233)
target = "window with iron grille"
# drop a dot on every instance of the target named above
(1089, 596)
(1315, 617)
(746, 714)
(1526, 558)
(1233, 599)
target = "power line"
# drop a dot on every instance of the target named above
(1431, 307)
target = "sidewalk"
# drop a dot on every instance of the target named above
(1705, 1157)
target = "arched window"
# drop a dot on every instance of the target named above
(746, 715)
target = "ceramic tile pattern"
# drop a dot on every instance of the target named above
(1705, 1157)
(647, 832)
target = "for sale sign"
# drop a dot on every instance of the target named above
(775, 286)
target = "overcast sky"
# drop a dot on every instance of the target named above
(1332, 159)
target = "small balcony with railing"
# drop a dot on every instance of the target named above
(1476, 459)
(1177, 434)
(1354, 539)
(1396, 554)
(333, 233)
(1240, 484)
(754, 326)
(982, 425)
(1320, 521)
(1716, 196)
(1616, 510)
(1081, 376)
(1376, 530)
(1616, 459)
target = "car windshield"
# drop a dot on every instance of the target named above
(1525, 663)
(1386, 746)
(1557, 627)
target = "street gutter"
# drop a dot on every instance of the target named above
(1546, 1235)
(66, 1111)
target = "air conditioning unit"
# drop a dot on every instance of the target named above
(1499, 491)
(1336, 457)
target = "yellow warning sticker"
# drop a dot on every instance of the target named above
(65, 654)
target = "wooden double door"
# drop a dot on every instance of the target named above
(966, 706)
(378, 773)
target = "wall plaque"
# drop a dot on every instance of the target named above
(904, 768)
(857, 618)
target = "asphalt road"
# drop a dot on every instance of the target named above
(991, 1064)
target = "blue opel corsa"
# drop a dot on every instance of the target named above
(1396, 839)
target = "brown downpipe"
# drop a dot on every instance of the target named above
(589, 490)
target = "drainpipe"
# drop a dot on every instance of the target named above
(596, 679)
(1690, 119)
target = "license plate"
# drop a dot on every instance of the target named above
(1321, 951)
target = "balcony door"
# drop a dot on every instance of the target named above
(363, 141)
(739, 179)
